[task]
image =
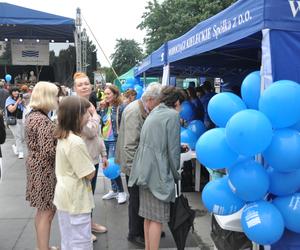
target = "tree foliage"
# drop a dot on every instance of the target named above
(64, 64)
(109, 74)
(173, 18)
(127, 54)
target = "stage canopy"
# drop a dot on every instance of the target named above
(242, 38)
(22, 23)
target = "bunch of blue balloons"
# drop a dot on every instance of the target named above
(263, 126)
(132, 83)
(192, 132)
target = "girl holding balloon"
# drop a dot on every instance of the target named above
(110, 119)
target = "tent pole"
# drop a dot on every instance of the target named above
(144, 77)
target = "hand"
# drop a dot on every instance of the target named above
(184, 148)
(104, 162)
(92, 110)
(19, 100)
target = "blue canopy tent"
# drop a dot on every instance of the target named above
(244, 37)
(18, 22)
(153, 63)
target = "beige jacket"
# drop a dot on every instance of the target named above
(132, 120)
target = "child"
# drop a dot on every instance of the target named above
(74, 169)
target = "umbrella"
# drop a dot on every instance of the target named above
(181, 220)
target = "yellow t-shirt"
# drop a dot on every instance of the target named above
(73, 192)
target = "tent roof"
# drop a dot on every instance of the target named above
(230, 39)
(18, 22)
(128, 74)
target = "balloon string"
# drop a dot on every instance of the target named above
(101, 48)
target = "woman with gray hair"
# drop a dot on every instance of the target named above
(156, 162)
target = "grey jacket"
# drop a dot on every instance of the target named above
(132, 120)
(158, 156)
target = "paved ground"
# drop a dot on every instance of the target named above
(17, 218)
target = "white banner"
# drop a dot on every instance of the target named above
(30, 52)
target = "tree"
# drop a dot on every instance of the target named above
(5, 58)
(173, 18)
(127, 54)
(91, 60)
(109, 74)
(64, 65)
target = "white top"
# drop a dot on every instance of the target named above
(73, 192)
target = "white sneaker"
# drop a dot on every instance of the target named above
(21, 155)
(14, 148)
(110, 195)
(122, 197)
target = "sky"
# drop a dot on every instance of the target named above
(108, 19)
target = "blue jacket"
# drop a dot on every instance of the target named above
(116, 114)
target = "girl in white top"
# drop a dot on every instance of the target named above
(74, 169)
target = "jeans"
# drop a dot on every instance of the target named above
(116, 184)
(135, 222)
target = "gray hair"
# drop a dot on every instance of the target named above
(153, 91)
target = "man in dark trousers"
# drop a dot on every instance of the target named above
(132, 120)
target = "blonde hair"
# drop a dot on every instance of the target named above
(44, 96)
(79, 75)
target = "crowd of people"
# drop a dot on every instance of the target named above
(68, 138)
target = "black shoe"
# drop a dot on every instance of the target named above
(138, 240)
(163, 234)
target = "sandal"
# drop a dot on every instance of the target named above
(97, 228)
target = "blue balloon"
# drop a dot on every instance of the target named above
(296, 126)
(219, 199)
(182, 129)
(130, 82)
(289, 207)
(213, 151)
(249, 181)
(283, 183)
(278, 103)
(197, 126)
(112, 171)
(242, 159)
(8, 77)
(262, 222)
(223, 106)
(125, 86)
(189, 137)
(283, 152)
(139, 91)
(250, 90)
(187, 111)
(249, 132)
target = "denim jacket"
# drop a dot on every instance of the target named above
(115, 111)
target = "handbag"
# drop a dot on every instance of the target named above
(11, 120)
